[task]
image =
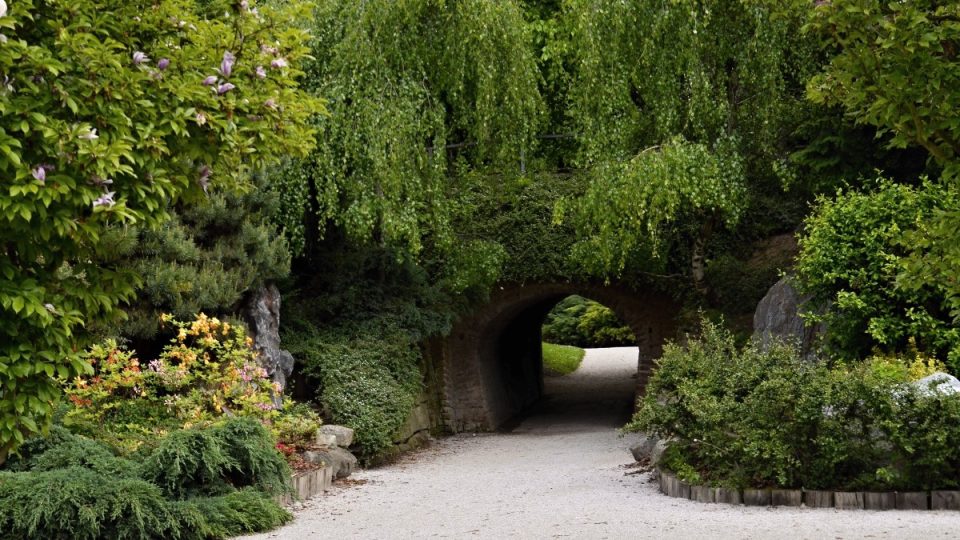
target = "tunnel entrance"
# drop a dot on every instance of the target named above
(492, 361)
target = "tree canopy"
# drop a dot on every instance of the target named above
(108, 112)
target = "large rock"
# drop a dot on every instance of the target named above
(341, 462)
(937, 383)
(777, 319)
(343, 434)
(262, 315)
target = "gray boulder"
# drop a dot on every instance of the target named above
(642, 450)
(937, 383)
(341, 462)
(262, 315)
(777, 319)
(648, 449)
(343, 434)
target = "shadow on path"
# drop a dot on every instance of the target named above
(599, 395)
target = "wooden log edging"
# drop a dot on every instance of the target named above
(672, 486)
(306, 484)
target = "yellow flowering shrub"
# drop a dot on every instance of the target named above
(208, 371)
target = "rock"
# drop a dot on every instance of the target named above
(341, 462)
(262, 315)
(657, 452)
(642, 450)
(343, 434)
(937, 383)
(777, 318)
(326, 439)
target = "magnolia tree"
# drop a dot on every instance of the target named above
(110, 111)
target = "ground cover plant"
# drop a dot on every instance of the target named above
(204, 483)
(561, 359)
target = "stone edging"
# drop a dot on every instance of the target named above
(671, 486)
(306, 484)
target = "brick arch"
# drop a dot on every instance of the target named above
(492, 363)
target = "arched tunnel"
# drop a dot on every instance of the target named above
(492, 360)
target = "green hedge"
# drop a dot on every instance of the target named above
(741, 417)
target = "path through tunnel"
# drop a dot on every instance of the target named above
(492, 363)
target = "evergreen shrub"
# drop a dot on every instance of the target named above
(201, 483)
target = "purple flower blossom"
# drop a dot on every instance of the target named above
(270, 104)
(278, 63)
(226, 65)
(105, 200)
(163, 64)
(261, 72)
(224, 88)
(210, 81)
(90, 135)
(39, 173)
(101, 182)
(204, 178)
(139, 58)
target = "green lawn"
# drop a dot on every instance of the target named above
(561, 359)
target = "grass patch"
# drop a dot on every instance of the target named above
(561, 359)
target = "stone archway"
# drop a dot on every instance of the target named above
(492, 364)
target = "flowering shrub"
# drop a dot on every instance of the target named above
(111, 111)
(207, 371)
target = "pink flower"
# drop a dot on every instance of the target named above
(139, 57)
(39, 173)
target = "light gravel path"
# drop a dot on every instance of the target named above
(564, 473)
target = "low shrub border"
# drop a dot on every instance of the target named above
(672, 486)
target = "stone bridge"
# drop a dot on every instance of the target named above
(491, 363)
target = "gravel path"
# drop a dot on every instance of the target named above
(565, 473)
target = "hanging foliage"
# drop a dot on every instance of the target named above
(412, 87)
(680, 107)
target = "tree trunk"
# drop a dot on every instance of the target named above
(697, 259)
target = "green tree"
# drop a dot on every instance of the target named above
(204, 259)
(681, 109)
(850, 256)
(895, 67)
(111, 111)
